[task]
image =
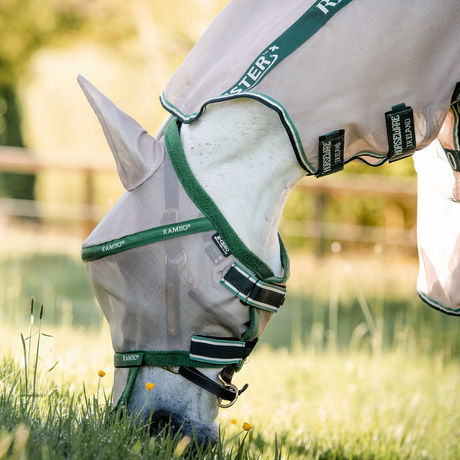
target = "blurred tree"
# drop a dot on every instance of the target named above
(28, 26)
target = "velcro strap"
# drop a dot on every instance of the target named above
(252, 291)
(218, 350)
(401, 132)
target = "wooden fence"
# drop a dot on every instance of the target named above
(347, 184)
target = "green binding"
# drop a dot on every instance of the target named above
(128, 391)
(145, 237)
(138, 358)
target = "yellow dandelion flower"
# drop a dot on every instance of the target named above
(101, 373)
(233, 421)
(149, 386)
(246, 426)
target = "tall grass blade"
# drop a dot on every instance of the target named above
(25, 361)
(38, 349)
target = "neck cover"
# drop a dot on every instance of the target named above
(159, 265)
(330, 68)
(438, 224)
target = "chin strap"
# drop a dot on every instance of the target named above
(209, 352)
(227, 391)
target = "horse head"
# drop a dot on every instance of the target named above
(169, 273)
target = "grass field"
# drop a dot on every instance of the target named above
(354, 405)
(349, 369)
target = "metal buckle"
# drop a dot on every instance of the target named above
(170, 369)
(227, 386)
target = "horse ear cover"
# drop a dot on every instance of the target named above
(137, 154)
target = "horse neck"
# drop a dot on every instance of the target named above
(241, 155)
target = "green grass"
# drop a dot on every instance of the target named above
(371, 373)
(304, 405)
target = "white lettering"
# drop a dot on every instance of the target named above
(245, 83)
(337, 153)
(326, 157)
(130, 357)
(222, 244)
(260, 63)
(397, 137)
(408, 132)
(235, 90)
(110, 247)
(179, 228)
(324, 3)
(254, 73)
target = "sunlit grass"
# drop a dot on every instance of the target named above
(358, 384)
(355, 404)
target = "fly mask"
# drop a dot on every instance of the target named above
(176, 284)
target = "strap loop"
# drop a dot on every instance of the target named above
(401, 132)
(253, 291)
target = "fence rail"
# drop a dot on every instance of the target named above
(19, 160)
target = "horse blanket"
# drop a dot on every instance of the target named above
(438, 225)
(332, 69)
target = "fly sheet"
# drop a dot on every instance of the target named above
(438, 231)
(333, 70)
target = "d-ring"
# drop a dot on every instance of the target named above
(231, 387)
(228, 386)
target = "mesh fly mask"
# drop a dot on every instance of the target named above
(176, 284)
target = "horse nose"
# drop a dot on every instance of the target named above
(188, 408)
(196, 431)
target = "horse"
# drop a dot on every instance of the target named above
(188, 266)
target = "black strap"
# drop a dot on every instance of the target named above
(252, 291)
(198, 378)
(220, 350)
(456, 94)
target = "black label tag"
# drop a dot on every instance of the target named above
(401, 132)
(456, 95)
(331, 151)
(220, 243)
(218, 251)
(453, 157)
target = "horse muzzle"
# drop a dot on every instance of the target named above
(189, 408)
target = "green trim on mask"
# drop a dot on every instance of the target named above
(145, 237)
(207, 206)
